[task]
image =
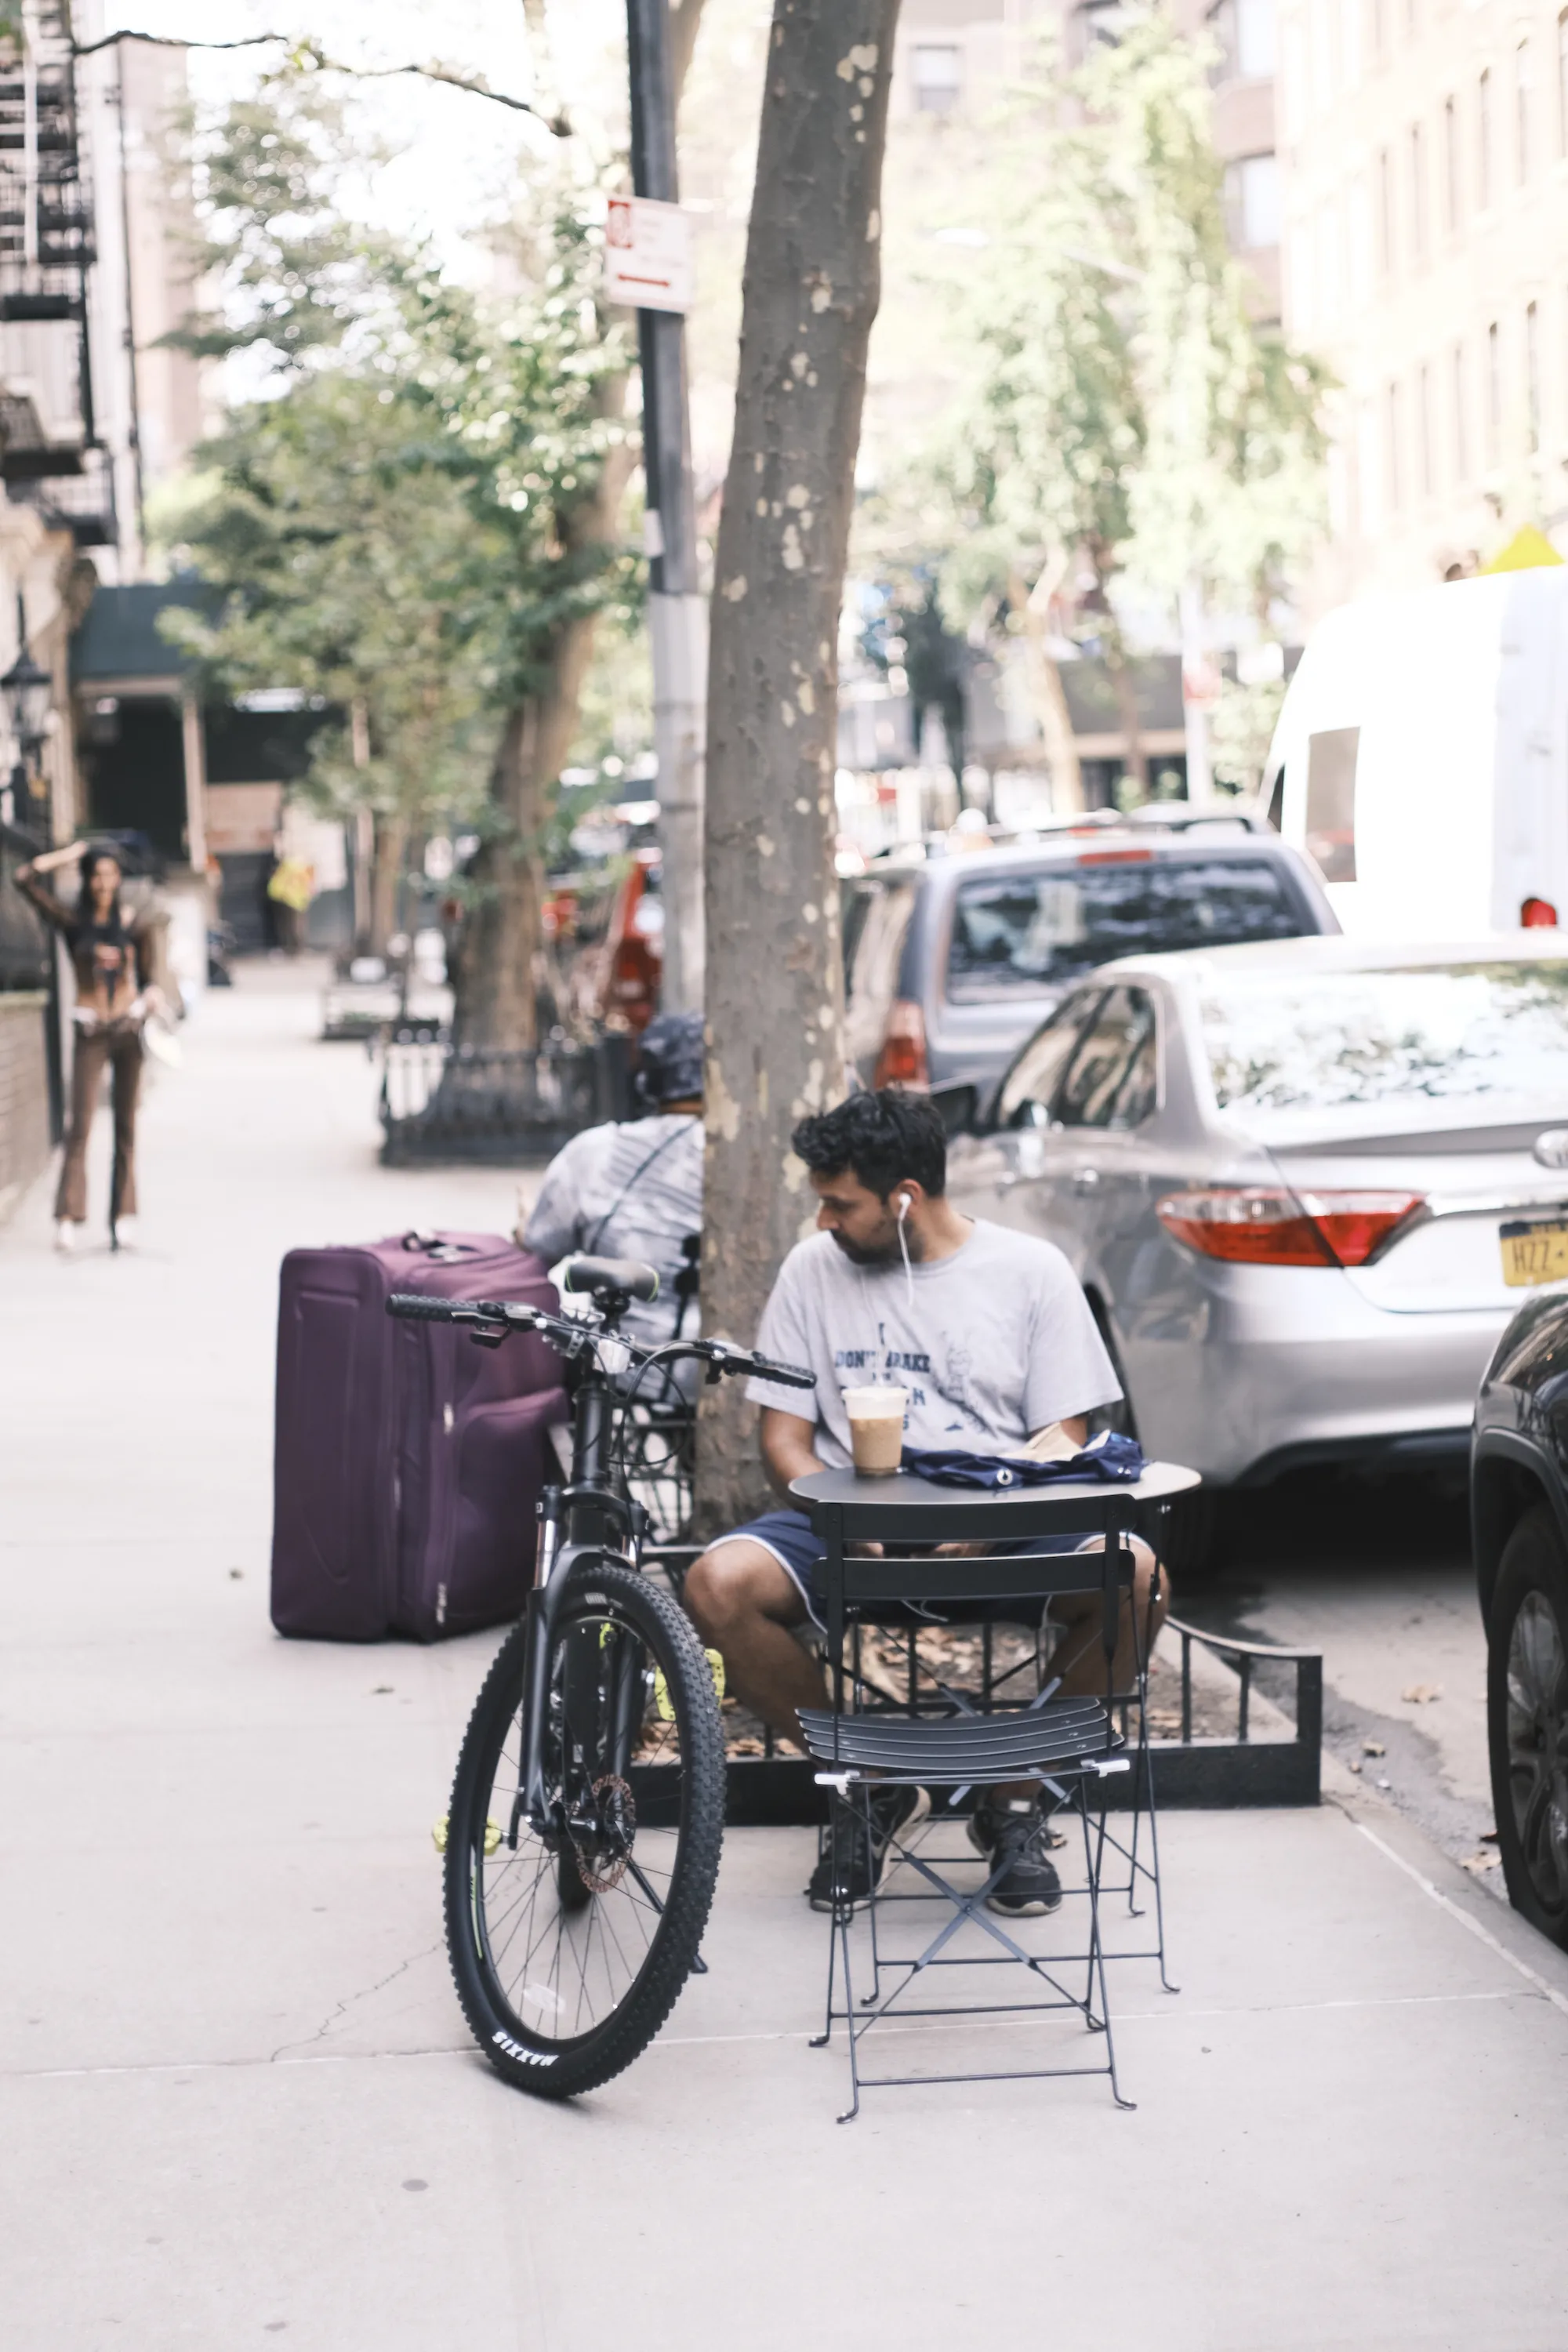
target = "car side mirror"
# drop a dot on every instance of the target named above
(958, 1107)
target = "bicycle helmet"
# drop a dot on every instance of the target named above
(669, 1060)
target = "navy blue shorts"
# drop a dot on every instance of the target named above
(800, 1552)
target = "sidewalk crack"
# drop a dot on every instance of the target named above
(351, 2000)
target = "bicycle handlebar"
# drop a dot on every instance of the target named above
(501, 1316)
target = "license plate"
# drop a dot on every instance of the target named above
(1533, 1253)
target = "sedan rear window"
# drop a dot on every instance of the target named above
(1019, 934)
(1290, 1041)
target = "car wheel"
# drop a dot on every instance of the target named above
(1189, 1544)
(1527, 1721)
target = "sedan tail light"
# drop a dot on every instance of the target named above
(1538, 915)
(903, 1060)
(1266, 1224)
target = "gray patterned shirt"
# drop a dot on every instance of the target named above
(627, 1190)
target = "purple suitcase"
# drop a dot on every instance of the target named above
(407, 1460)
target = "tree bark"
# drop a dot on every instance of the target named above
(503, 932)
(775, 978)
(1124, 686)
(386, 873)
(1048, 693)
(503, 928)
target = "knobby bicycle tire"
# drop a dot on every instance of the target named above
(522, 2022)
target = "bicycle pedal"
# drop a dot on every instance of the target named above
(438, 1835)
(661, 1701)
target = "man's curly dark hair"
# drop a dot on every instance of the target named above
(881, 1138)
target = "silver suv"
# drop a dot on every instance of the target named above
(954, 957)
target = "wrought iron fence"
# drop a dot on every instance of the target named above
(1195, 1761)
(444, 1102)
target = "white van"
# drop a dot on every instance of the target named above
(1422, 758)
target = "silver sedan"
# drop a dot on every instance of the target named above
(1305, 1185)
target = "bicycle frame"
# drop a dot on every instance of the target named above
(590, 1513)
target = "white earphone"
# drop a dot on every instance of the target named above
(904, 1205)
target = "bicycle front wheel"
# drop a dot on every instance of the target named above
(570, 1938)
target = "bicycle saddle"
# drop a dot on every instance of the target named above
(626, 1274)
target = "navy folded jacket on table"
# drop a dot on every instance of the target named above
(1116, 1459)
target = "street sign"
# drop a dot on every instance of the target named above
(1201, 681)
(648, 258)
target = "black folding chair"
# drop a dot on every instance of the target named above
(928, 1689)
(1069, 1747)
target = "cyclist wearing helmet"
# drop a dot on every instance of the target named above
(633, 1188)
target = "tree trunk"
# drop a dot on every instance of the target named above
(1124, 686)
(1047, 691)
(503, 933)
(386, 873)
(774, 981)
(503, 928)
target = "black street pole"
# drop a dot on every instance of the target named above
(677, 614)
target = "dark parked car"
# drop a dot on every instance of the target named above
(1519, 1508)
(951, 958)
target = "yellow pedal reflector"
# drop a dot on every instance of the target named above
(661, 1699)
(438, 1835)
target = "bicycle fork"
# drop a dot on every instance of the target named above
(555, 1563)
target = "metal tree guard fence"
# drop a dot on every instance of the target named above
(496, 1103)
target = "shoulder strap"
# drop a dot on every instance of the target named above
(634, 1179)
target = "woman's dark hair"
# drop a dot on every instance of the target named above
(880, 1138)
(93, 856)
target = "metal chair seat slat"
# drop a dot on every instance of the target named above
(958, 1747)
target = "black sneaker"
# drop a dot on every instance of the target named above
(1029, 1885)
(855, 1866)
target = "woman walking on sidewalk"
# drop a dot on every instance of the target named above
(111, 957)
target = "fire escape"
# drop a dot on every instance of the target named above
(46, 250)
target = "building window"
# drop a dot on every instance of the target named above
(1494, 393)
(1252, 202)
(1245, 32)
(1369, 486)
(1417, 197)
(1424, 428)
(1097, 25)
(1379, 30)
(1361, 242)
(1484, 140)
(1300, 279)
(1532, 376)
(1385, 214)
(1523, 110)
(939, 78)
(1350, 42)
(1450, 166)
(1329, 289)
(1461, 436)
(1322, 31)
(1391, 454)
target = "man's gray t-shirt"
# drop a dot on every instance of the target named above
(998, 1343)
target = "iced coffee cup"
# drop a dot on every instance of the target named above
(876, 1428)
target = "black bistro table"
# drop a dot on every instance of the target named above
(903, 1510)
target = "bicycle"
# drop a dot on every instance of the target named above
(575, 1910)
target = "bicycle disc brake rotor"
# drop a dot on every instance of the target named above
(603, 1853)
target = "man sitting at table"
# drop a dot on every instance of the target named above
(990, 1334)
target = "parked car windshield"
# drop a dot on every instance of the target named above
(1296, 1041)
(1017, 934)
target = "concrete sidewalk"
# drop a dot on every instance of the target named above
(239, 2100)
